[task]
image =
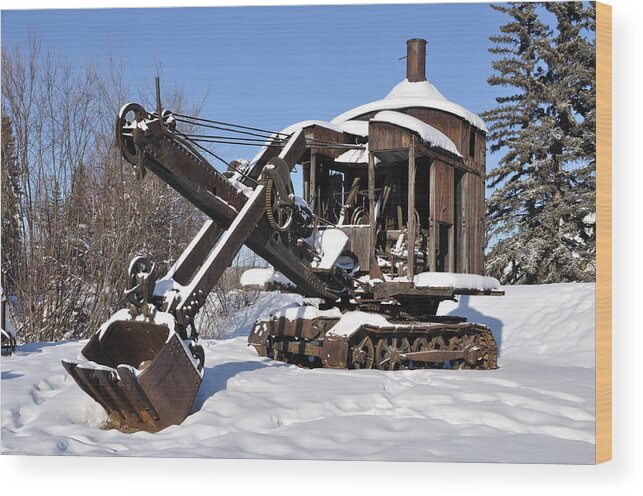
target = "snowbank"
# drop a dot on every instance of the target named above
(538, 407)
(546, 325)
(212, 324)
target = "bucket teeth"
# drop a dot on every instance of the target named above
(88, 381)
(153, 389)
(111, 386)
(135, 394)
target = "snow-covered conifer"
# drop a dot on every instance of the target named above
(541, 211)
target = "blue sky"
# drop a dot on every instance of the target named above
(271, 66)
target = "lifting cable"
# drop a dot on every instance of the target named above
(228, 124)
(252, 136)
(230, 130)
(265, 135)
(279, 143)
(202, 148)
(230, 166)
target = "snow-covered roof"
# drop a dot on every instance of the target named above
(358, 128)
(357, 156)
(406, 95)
(427, 133)
(311, 122)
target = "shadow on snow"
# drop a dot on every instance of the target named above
(216, 378)
(473, 315)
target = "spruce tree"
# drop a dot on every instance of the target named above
(569, 133)
(540, 214)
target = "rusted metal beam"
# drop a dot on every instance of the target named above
(374, 269)
(469, 354)
(411, 227)
(294, 149)
(313, 181)
(193, 296)
(306, 186)
(191, 259)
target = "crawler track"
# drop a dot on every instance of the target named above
(312, 343)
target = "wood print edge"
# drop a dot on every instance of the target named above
(604, 232)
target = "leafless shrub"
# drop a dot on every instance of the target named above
(74, 215)
(228, 297)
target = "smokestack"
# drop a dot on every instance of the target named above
(416, 60)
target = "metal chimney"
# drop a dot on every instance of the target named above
(416, 60)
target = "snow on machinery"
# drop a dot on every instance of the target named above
(345, 247)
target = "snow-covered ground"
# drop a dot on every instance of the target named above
(538, 407)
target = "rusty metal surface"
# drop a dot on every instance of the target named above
(335, 352)
(8, 344)
(221, 257)
(302, 328)
(295, 350)
(388, 347)
(142, 379)
(178, 164)
(416, 60)
(258, 337)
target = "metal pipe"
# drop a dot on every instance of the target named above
(416, 60)
(158, 101)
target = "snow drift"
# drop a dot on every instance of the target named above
(537, 407)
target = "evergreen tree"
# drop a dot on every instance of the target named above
(569, 132)
(541, 212)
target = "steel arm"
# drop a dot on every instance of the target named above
(149, 145)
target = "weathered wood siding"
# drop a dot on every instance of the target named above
(442, 191)
(448, 124)
(473, 211)
(383, 136)
(466, 241)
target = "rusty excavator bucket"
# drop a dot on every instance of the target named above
(140, 370)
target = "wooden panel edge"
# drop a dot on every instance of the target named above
(604, 232)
